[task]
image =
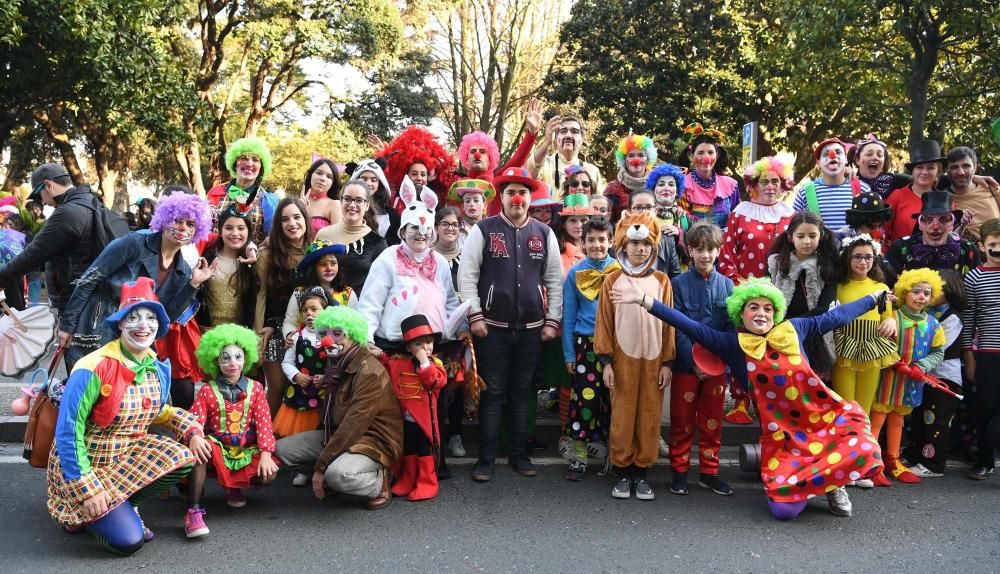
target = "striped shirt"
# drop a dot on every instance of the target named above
(833, 200)
(980, 321)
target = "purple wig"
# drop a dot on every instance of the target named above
(183, 206)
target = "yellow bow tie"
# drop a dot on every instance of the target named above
(589, 281)
(782, 338)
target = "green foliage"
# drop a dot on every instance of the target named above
(399, 97)
(292, 151)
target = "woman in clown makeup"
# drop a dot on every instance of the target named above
(707, 193)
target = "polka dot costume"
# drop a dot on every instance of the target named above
(590, 405)
(300, 406)
(750, 231)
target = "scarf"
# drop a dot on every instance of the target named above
(408, 263)
(331, 380)
(590, 280)
(346, 233)
(632, 183)
(449, 253)
(781, 338)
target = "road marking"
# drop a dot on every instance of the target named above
(12, 460)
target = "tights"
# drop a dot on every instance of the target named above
(857, 386)
(182, 393)
(786, 510)
(893, 430)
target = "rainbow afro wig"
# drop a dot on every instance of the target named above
(183, 206)
(344, 318)
(783, 166)
(908, 279)
(249, 146)
(665, 170)
(217, 338)
(479, 139)
(634, 142)
(753, 288)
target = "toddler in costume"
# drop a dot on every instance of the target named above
(233, 410)
(813, 442)
(417, 379)
(303, 365)
(921, 342)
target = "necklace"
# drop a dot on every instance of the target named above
(706, 183)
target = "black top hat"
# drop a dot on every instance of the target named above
(938, 203)
(925, 151)
(868, 204)
(416, 326)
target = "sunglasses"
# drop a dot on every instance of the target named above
(580, 183)
(939, 219)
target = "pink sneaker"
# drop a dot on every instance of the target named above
(194, 523)
(235, 498)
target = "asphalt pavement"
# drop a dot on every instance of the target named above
(517, 524)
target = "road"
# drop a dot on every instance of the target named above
(541, 524)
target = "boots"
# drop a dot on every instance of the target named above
(898, 471)
(740, 413)
(427, 481)
(406, 475)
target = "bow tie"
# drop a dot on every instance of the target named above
(935, 256)
(782, 338)
(237, 194)
(141, 367)
(589, 281)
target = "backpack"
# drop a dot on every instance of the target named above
(107, 225)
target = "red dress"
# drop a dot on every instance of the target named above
(245, 433)
(750, 231)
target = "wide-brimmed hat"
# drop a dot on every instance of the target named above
(463, 187)
(518, 175)
(316, 250)
(938, 203)
(868, 204)
(140, 293)
(925, 151)
(576, 204)
(542, 197)
(416, 326)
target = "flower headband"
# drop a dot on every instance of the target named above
(862, 237)
(695, 129)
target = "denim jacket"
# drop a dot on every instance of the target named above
(98, 290)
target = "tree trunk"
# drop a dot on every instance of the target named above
(53, 123)
(926, 42)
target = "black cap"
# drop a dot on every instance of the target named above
(43, 173)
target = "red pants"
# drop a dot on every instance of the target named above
(695, 403)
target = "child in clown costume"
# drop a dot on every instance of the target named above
(635, 155)
(237, 421)
(921, 341)
(812, 442)
(473, 195)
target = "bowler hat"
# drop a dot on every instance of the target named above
(925, 151)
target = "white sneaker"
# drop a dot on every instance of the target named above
(864, 483)
(566, 448)
(922, 471)
(840, 503)
(455, 446)
(664, 449)
(300, 479)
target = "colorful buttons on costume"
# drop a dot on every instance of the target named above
(106, 390)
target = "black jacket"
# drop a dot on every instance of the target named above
(65, 244)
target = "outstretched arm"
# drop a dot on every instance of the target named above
(836, 318)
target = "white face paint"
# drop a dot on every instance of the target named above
(181, 231)
(339, 337)
(231, 362)
(666, 191)
(139, 328)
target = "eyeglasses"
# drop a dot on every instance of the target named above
(450, 225)
(580, 183)
(939, 219)
(865, 258)
(643, 208)
(574, 131)
(348, 200)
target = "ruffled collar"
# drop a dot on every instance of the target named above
(764, 213)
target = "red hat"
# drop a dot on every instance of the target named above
(824, 143)
(518, 175)
(140, 293)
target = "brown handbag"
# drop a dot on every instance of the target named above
(41, 430)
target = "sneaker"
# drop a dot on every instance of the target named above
(979, 473)
(522, 465)
(840, 503)
(597, 450)
(235, 498)
(577, 470)
(194, 523)
(679, 483)
(623, 488)
(147, 534)
(483, 471)
(300, 479)
(566, 448)
(716, 484)
(455, 446)
(642, 490)
(864, 483)
(664, 449)
(923, 472)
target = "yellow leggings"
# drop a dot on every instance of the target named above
(857, 385)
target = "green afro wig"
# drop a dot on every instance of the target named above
(342, 317)
(252, 146)
(751, 289)
(908, 279)
(216, 339)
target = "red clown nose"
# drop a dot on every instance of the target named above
(636, 162)
(476, 156)
(832, 154)
(705, 160)
(517, 200)
(326, 341)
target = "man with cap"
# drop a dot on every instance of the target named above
(831, 193)
(926, 167)
(507, 261)
(934, 246)
(64, 244)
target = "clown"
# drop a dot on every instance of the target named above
(666, 181)
(753, 226)
(249, 162)
(707, 192)
(233, 410)
(636, 353)
(830, 194)
(812, 442)
(635, 155)
(104, 460)
(474, 195)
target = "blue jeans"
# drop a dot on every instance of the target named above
(507, 360)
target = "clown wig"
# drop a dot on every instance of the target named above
(183, 206)
(217, 338)
(416, 144)
(663, 170)
(479, 139)
(754, 288)
(909, 279)
(632, 143)
(345, 318)
(249, 146)
(783, 166)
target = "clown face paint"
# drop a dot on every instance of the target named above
(768, 188)
(936, 228)
(515, 197)
(918, 297)
(703, 158)
(833, 161)
(635, 163)
(336, 342)
(327, 268)
(472, 206)
(138, 329)
(247, 168)
(600, 205)
(758, 315)
(181, 231)
(479, 159)
(666, 191)
(231, 361)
